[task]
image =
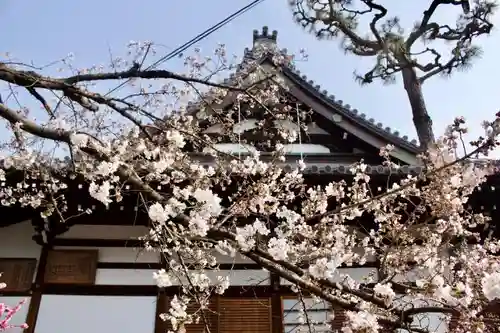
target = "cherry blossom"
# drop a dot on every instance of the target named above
(203, 202)
(7, 313)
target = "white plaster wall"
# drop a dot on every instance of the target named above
(130, 277)
(237, 259)
(20, 316)
(247, 277)
(230, 148)
(16, 241)
(84, 314)
(360, 275)
(317, 313)
(420, 272)
(85, 231)
(227, 259)
(119, 254)
(306, 148)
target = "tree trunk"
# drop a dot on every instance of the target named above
(421, 119)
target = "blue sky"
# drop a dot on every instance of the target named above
(43, 31)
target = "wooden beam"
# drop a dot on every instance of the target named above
(98, 242)
(128, 265)
(152, 265)
(100, 290)
(151, 290)
(36, 296)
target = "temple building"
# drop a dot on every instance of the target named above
(92, 274)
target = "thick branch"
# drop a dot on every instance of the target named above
(65, 136)
(424, 25)
(147, 74)
(332, 20)
(373, 24)
(35, 80)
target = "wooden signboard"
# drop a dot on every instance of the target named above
(71, 266)
(17, 273)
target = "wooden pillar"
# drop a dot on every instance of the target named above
(161, 303)
(37, 291)
(276, 305)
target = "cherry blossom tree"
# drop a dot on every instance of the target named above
(428, 49)
(127, 142)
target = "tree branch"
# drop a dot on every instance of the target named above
(424, 27)
(42, 100)
(147, 74)
(333, 20)
(34, 80)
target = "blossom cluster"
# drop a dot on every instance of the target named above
(7, 313)
(202, 205)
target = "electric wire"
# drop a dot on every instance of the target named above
(194, 40)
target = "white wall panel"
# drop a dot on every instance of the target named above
(318, 315)
(420, 272)
(84, 314)
(125, 276)
(237, 259)
(119, 254)
(305, 148)
(247, 277)
(227, 259)
(20, 317)
(85, 231)
(16, 241)
(360, 275)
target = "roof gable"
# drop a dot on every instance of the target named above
(335, 112)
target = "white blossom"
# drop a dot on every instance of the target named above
(212, 203)
(208, 209)
(490, 284)
(162, 278)
(157, 213)
(362, 321)
(176, 137)
(278, 248)
(79, 140)
(385, 291)
(101, 192)
(324, 268)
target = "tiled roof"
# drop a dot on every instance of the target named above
(338, 105)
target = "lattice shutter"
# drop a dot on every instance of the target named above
(454, 321)
(339, 319)
(492, 317)
(244, 315)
